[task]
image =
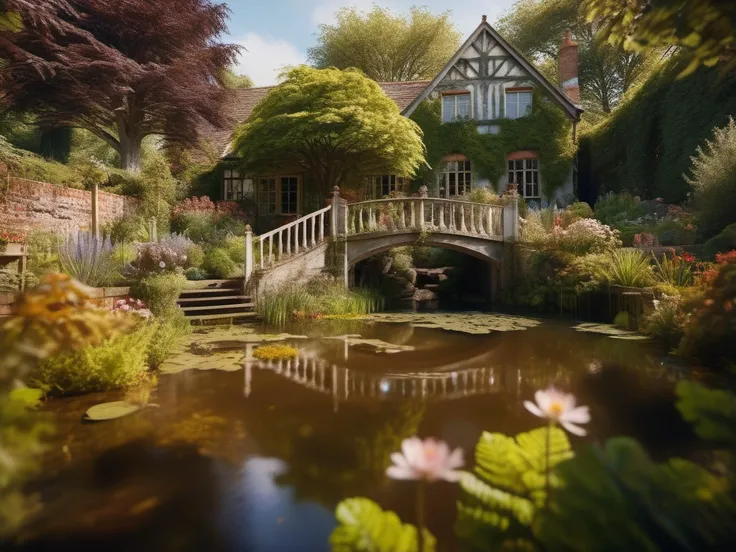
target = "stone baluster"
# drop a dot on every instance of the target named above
(413, 214)
(402, 215)
(463, 228)
(314, 223)
(442, 216)
(321, 227)
(261, 246)
(248, 252)
(271, 260)
(288, 241)
(421, 214)
(473, 230)
(360, 219)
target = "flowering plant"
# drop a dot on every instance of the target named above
(164, 256)
(133, 306)
(645, 239)
(194, 205)
(12, 237)
(586, 236)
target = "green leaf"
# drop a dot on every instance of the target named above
(29, 397)
(111, 410)
(712, 412)
(11, 21)
(364, 526)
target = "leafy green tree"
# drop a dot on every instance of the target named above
(387, 47)
(705, 28)
(333, 124)
(606, 72)
(232, 80)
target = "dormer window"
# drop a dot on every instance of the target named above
(456, 106)
(518, 102)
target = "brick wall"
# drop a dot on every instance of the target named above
(29, 205)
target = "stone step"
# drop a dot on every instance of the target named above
(222, 316)
(214, 298)
(228, 307)
(202, 285)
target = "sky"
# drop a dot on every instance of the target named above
(277, 33)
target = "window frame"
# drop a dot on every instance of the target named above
(530, 174)
(454, 96)
(508, 92)
(232, 179)
(274, 206)
(375, 185)
(280, 196)
(444, 179)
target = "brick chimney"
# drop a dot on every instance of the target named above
(569, 68)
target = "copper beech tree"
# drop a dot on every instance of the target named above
(122, 70)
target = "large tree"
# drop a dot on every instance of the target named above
(387, 47)
(122, 70)
(706, 29)
(333, 124)
(606, 71)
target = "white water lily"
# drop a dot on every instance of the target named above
(427, 460)
(559, 407)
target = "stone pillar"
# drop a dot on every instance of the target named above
(511, 218)
(95, 209)
(248, 253)
(335, 212)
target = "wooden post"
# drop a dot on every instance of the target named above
(95, 210)
(248, 252)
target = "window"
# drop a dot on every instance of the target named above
(267, 196)
(381, 186)
(518, 103)
(525, 174)
(456, 179)
(235, 187)
(456, 107)
(289, 195)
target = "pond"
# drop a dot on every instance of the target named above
(249, 456)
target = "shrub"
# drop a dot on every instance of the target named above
(675, 232)
(481, 195)
(676, 270)
(118, 363)
(725, 241)
(127, 229)
(197, 226)
(43, 252)
(586, 236)
(195, 273)
(274, 352)
(218, 263)
(160, 292)
(88, 259)
(666, 322)
(195, 255)
(713, 180)
(621, 320)
(709, 333)
(168, 335)
(617, 209)
(166, 255)
(630, 268)
(575, 212)
(235, 247)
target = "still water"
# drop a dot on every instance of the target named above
(243, 456)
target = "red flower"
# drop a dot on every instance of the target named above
(688, 257)
(726, 258)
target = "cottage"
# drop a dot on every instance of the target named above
(510, 126)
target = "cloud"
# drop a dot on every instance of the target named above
(324, 12)
(264, 57)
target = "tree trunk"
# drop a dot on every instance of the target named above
(130, 155)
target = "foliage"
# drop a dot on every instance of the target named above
(723, 242)
(235, 247)
(705, 29)
(118, 363)
(508, 484)
(168, 335)
(202, 220)
(575, 212)
(365, 526)
(24, 164)
(333, 124)
(644, 148)
(166, 255)
(617, 209)
(585, 236)
(711, 412)
(321, 296)
(714, 180)
(195, 255)
(607, 71)
(232, 80)
(622, 320)
(275, 352)
(546, 130)
(675, 269)
(666, 323)
(195, 273)
(158, 191)
(630, 268)
(676, 505)
(160, 292)
(712, 324)
(218, 263)
(387, 47)
(482, 195)
(88, 259)
(92, 72)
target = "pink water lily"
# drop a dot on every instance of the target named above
(560, 407)
(427, 460)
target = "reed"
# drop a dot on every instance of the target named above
(629, 268)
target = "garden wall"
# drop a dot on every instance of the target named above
(29, 205)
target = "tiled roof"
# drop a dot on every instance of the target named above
(241, 102)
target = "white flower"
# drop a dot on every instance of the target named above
(559, 407)
(429, 460)
(162, 264)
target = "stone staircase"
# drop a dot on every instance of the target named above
(216, 301)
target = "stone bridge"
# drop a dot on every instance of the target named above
(340, 235)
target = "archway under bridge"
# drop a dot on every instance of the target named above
(342, 234)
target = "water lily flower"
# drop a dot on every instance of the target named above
(162, 264)
(560, 407)
(427, 460)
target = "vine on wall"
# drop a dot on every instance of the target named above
(546, 130)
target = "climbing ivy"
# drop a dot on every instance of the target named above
(645, 146)
(546, 130)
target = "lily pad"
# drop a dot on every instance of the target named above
(474, 323)
(230, 361)
(379, 346)
(111, 410)
(238, 335)
(609, 330)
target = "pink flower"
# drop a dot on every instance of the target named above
(560, 407)
(428, 460)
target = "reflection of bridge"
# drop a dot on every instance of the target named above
(360, 230)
